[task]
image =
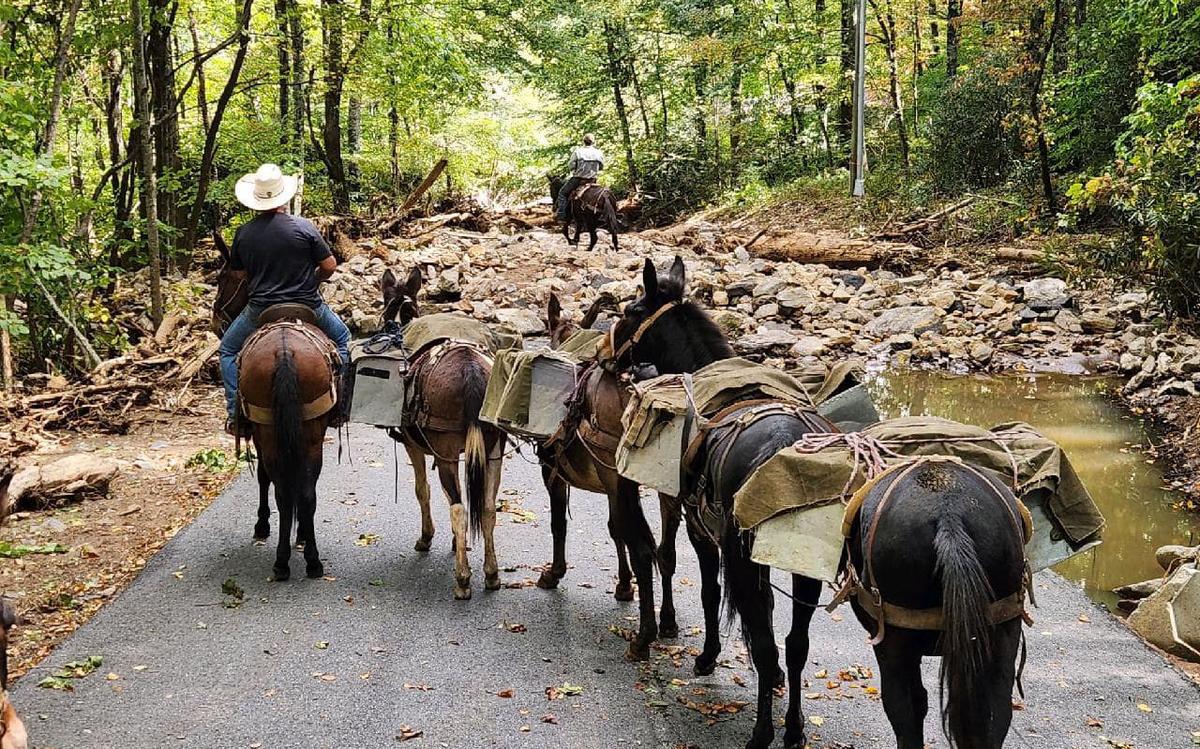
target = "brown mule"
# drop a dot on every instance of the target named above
(286, 384)
(12, 730)
(449, 385)
(585, 458)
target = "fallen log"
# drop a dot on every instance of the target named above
(193, 367)
(836, 252)
(64, 480)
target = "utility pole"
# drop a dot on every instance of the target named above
(858, 159)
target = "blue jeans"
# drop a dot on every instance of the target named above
(247, 322)
(564, 197)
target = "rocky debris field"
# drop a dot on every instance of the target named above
(984, 316)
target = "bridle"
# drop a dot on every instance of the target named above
(642, 329)
(392, 309)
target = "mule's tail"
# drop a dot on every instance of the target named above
(966, 646)
(474, 380)
(289, 423)
(610, 213)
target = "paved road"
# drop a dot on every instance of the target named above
(192, 673)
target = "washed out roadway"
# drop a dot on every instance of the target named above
(347, 661)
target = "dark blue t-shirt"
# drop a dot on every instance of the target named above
(280, 254)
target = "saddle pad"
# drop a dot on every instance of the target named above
(427, 330)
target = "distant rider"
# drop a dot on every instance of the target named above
(285, 259)
(585, 163)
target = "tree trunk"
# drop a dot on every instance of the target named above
(1039, 50)
(210, 139)
(393, 115)
(637, 90)
(164, 104)
(45, 149)
(285, 71)
(145, 145)
(953, 13)
(299, 100)
(820, 57)
(845, 109)
(935, 35)
(887, 29)
(201, 93)
(622, 117)
(735, 119)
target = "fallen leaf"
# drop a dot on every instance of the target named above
(366, 539)
(816, 720)
(408, 732)
(419, 687)
(1145, 708)
(1085, 618)
(1095, 723)
(550, 718)
(515, 627)
(525, 729)
(322, 645)
(505, 694)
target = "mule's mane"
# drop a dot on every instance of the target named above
(703, 330)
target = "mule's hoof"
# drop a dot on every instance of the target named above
(280, 574)
(763, 741)
(315, 569)
(791, 742)
(262, 532)
(704, 665)
(462, 593)
(636, 652)
(780, 679)
(668, 630)
(624, 592)
(492, 582)
(548, 580)
(422, 544)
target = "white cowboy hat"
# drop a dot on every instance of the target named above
(266, 189)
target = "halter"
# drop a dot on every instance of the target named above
(637, 334)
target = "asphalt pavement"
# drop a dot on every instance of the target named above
(379, 650)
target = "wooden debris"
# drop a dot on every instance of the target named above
(920, 228)
(64, 480)
(424, 186)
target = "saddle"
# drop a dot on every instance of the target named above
(425, 361)
(288, 311)
(286, 320)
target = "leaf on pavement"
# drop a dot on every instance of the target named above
(515, 627)
(1145, 708)
(366, 539)
(550, 718)
(816, 720)
(408, 732)
(506, 694)
(418, 687)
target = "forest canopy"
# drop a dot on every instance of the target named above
(123, 125)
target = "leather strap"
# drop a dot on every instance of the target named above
(637, 334)
(999, 611)
(426, 362)
(308, 412)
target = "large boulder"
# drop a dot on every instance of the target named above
(1170, 618)
(913, 320)
(1046, 294)
(64, 480)
(524, 321)
(764, 342)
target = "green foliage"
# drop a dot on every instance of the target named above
(213, 459)
(1154, 189)
(974, 142)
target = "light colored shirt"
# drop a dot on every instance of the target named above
(586, 162)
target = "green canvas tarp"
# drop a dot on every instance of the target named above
(429, 329)
(658, 401)
(1015, 452)
(527, 390)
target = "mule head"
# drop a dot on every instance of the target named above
(556, 183)
(561, 328)
(656, 293)
(400, 299)
(233, 293)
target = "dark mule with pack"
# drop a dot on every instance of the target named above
(937, 550)
(582, 455)
(448, 380)
(12, 730)
(592, 206)
(676, 336)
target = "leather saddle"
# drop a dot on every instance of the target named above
(288, 311)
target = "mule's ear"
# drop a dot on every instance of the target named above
(649, 280)
(413, 284)
(553, 311)
(388, 281)
(222, 246)
(678, 275)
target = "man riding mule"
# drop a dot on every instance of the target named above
(585, 164)
(581, 200)
(282, 354)
(281, 259)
